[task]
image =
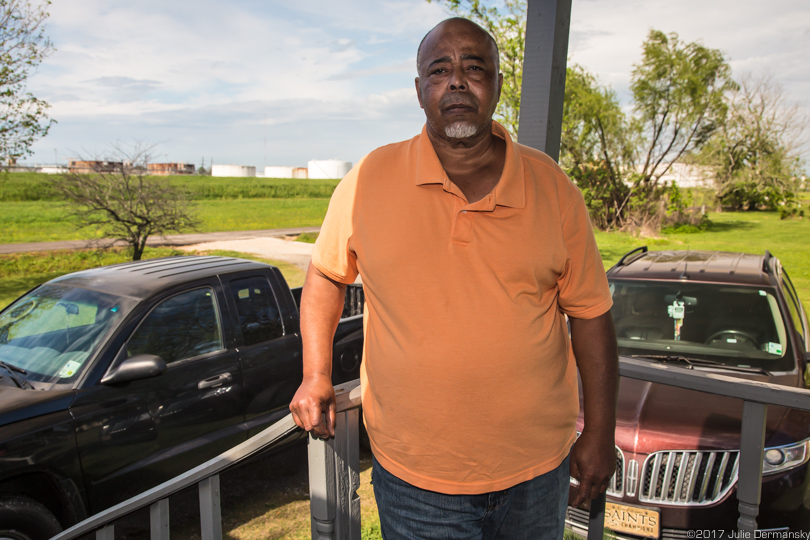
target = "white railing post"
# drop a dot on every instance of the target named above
(159, 520)
(322, 490)
(347, 469)
(107, 533)
(334, 472)
(210, 510)
(749, 485)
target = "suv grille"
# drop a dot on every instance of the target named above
(688, 478)
(616, 486)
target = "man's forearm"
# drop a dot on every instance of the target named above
(593, 460)
(594, 343)
(322, 303)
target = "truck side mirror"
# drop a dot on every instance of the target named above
(140, 366)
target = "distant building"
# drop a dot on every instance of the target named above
(285, 172)
(58, 169)
(687, 176)
(233, 170)
(328, 168)
(86, 167)
(166, 169)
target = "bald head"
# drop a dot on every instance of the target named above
(460, 21)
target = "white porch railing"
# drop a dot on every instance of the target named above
(334, 464)
(325, 458)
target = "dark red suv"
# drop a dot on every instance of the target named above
(677, 450)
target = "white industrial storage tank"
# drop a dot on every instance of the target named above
(285, 172)
(278, 172)
(233, 170)
(328, 168)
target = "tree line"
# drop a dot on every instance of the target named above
(686, 108)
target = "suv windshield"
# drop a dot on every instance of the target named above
(735, 326)
(48, 334)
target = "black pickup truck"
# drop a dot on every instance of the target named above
(115, 379)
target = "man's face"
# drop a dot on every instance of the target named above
(458, 85)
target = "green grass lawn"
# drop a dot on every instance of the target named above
(45, 221)
(750, 232)
(21, 272)
(31, 186)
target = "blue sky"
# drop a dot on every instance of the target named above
(266, 82)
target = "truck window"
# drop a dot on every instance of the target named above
(259, 317)
(180, 327)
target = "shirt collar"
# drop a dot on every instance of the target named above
(510, 190)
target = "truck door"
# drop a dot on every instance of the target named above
(269, 351)
(136, 435)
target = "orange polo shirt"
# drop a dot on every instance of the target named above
(468, 378)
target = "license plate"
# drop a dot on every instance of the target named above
(632, 520)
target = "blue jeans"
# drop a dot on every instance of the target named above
(534, 510)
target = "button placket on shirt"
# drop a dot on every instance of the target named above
(465, 216)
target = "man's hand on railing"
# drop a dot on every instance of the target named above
(593, 462)
(313, 406)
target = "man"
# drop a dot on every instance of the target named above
(472, 250)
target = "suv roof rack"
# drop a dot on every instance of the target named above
(766, 262)
(642, 249)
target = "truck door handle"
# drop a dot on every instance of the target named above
(216, 380)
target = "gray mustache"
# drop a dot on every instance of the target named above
(457, 99)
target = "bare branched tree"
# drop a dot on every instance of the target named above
(117, 197)
(757, 153)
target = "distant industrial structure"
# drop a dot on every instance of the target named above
(166, 169)
(316, 168)
(321, 169)
(328, 168)
(233, 170)
(82, 166)
(285, 172)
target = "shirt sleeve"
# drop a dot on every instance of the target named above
(583, 286)
(332, 253)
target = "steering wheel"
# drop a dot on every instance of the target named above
(739, 335)
(22, 311)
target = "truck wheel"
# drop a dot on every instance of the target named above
(22, 518)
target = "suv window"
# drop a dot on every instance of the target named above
(259, 316)
(737, 326)
(180, 327)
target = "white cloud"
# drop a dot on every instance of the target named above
(606, 35)
(329, 79)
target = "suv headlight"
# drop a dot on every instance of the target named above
(783, 458)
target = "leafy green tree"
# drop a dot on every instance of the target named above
(23, 45)
(679, 98)
(756, 153)
(678, 103)
(597, 146)
(508, 26)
